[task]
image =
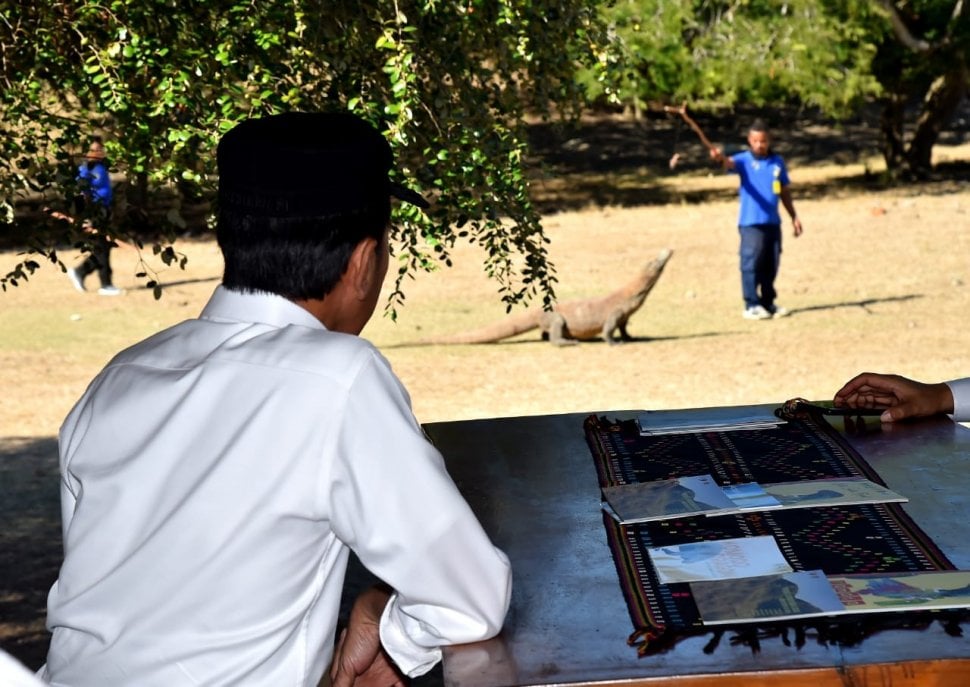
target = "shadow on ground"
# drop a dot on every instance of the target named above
(543, 340)
(614, 160)
(611, 160)
(864, 304)
(30, 544)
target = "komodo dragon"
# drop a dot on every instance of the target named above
(578, 320)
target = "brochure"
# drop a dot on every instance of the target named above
(790, 595)
(831, 492)
(903, 591)
(841, 491)
(711, 419)
(718, 560)
(665, 499)
(749, 496)
(811, 593)
(701, 495)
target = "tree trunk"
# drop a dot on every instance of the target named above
(941, 101)
(891, 125)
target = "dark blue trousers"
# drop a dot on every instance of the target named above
(760, 258)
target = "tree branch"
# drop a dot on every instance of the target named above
(957, 11)
(902, 31)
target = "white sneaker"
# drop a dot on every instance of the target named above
(779, 311)
(756, 312)
(110, 290)
(76, 280)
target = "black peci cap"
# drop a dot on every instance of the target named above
(303, 164)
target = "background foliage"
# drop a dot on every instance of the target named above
(834, 55)
(160, 80)
(757, 52)
(450, 82)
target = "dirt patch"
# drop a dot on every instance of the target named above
(879, 280)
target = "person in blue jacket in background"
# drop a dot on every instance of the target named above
(95, 201)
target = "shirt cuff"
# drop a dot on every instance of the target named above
(413, 660)
(960, 388)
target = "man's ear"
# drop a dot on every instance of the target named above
(362, 268)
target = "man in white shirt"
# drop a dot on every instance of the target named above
(216, 475)
(905, 398)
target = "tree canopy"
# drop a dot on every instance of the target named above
(160, 80)
(835, 55)
(451, 84)
(724, 53)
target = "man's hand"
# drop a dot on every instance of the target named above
(903, 398)
(796, 226)
(359, 660)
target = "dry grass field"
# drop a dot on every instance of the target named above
(878, 281)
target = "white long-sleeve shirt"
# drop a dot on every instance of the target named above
(960, 388)
(14, 674)
(214, 477)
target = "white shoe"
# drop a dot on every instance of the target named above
(76, 280)
(779, 311)
(756, 312)
(110, 290)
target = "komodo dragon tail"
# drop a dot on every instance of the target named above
(490, 333)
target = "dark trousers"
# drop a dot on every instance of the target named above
(99, 260)
(760, 258)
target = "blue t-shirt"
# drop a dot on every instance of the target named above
(99, 181)
(758, 191)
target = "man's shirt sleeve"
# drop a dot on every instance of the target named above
(783, 175)
(960, 388)
(394, 504)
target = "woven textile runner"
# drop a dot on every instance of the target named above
(837, 540)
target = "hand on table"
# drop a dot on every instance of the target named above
(903, 398)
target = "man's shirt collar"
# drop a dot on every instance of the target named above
(265, 308)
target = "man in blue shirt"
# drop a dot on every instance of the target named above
(96, 200)
(764, 180)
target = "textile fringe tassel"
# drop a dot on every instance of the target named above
(643, 637)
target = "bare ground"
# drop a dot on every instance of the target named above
(879, 281)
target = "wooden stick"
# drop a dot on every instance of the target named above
(87, 228)
(682, 111)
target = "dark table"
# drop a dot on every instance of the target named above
(532, 482)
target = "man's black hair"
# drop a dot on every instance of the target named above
(294, 257)
(759, 126)
(298, 192)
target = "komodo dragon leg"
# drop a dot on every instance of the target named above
(615, 322)
(558, 333)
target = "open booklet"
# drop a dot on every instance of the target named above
(665, 499)
(700, 494)
(835, 491)
(718, 559)
(811, 594)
